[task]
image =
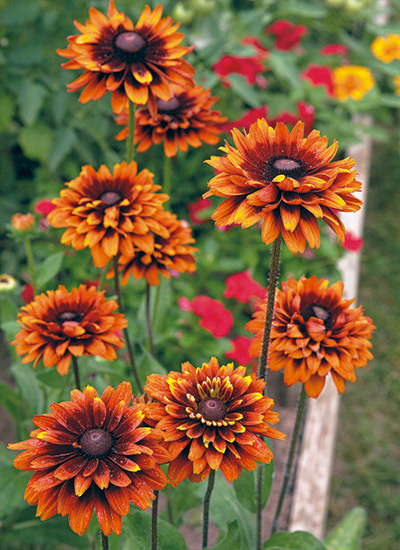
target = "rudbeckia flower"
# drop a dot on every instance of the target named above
(92, 453)
(59, 324)
(314, 333)
(170, 253)
(110, 213)
(135, 62)
(186, 119)
(352, 81)
(214, 417)
(285, 180)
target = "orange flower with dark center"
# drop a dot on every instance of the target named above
(92, 453)
(214, 417)
(110, 214)
(314, 332)
(186, 119)
(135, 62)
(61, 324)
(286, 180)
(170, 253)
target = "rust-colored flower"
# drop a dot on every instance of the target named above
(110, 214)
(22, 222)
(170, 253)
(136, 62)
(352, 81)
(186, 119)
(213, 417)
(92, 453)
(314, 332)
(285, 180)
(59, 325)
(386, 48)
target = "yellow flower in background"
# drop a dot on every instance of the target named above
(396, 81)
(386, 48)
(352, 81)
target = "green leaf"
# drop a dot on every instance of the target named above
(10, 401)
(6, 112)
(36, 141)
(232, 539)
(19, 12)
(137, 529)
(28, 385)
(30, 100)
(49, 269)
(249, 94)
(299, 540)
(245, 486)
(13, 483)
(63, 142)
(347, 534)
(283, 65)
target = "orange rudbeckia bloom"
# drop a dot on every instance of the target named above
(186, 119)
(92, 453)
(110, 214)
(170, 253)
(314, 333)
(214, 417)
(135, 62)
(59, 324)
(285, 180)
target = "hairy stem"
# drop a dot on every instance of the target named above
(289, 465)
(154, 524)
(131, 133)
(167, 175)
(148, 320)
(76, 372)
(104, 542)
(206, 507)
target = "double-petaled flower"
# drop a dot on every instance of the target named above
(314, 333)
(93, 453)
(59, 325)
(112, 214)
(214, 417)
(284, 180)
(133, 62)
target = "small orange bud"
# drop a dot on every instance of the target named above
(22, 222)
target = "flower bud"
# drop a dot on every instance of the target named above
(22, 222)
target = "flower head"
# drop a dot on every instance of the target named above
(214, 417)
(7, 284)
(110, 213)
(61, 324)
(243, 287)
(396, 81)
(240, 352)
(22, 222)
(352, 242)
(170, 253)
(196, 210)
(287, 34)
(352, 81)
(286, 180)
(214, 316)
(319, 75)
(186, 119)
(334, 49)
(92, 453)
(386, 48)
(27, 293)
(314, 332)
(249, 67)
(247, 119)
(135, 62)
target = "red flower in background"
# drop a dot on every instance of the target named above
(27, 293)
(195, 208)
(249, 67)
(214, 316)
(287, 34)
(247, 119)
(44, 207)
(334, 49)
(258, 47)
(352, 242)
(319, 75)
(240, 352)
(242, 287)
(305, 112)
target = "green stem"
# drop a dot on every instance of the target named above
(289, 465)
(148, 320)
(125, 331)
(103, 277)
(206, 507)
(131, 133)
(104, 541)
(154, 525)
(259, 481)
(167, 175)
(76, 372)
(273, 280)
(31, 263)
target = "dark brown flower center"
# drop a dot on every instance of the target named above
(110, 197)
(69, 316)
(130, 46)
(293, 168)
(96, 442)
(212, 408)
(314, 310)
(165, 106)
